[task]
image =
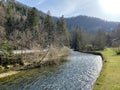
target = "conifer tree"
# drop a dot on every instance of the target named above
(62, 32)
(76, 37)
(32, 18)
(49, 29)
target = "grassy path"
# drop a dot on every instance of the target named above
(110, 75)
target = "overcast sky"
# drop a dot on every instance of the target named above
(70, 8)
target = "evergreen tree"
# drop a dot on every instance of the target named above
(0, 3)
(6, 48)
(32, 18)
(100, 40)
(9, 24)
(49, 29)
(75, 41)
(62, 32)
(80, 40)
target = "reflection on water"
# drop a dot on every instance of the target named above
(78, 73)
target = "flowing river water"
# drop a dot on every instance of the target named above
(78, 73)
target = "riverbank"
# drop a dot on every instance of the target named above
(109, 78)
(9, 73)
(73, 74)
(95, 53)
(53, 56)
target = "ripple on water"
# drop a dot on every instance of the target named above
(79, 73)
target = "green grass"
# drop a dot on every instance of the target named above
(110, 76)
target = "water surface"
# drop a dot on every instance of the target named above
(78, 73)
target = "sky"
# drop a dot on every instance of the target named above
(105, 9)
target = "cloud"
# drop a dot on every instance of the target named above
(58, 7)
(32, 3)
(68, 7)
(40, 2)
(75, 7)
(63, 7)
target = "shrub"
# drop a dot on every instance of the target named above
(117, 50)
(89, 47)
(6, 49)
(7, 57)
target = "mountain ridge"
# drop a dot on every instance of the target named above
(90, 23)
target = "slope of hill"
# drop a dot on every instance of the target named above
(87, 23)
(90, 24)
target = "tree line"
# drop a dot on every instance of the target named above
(26, 28)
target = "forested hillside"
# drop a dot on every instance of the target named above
(90, 24)
(26, 28)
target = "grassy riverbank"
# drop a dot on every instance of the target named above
(110, 76)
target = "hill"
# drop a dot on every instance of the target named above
(90, 24)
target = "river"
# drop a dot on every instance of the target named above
(78, 73)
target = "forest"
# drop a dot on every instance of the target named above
(26, 28)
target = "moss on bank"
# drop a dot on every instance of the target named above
(109, 78)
